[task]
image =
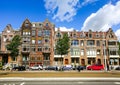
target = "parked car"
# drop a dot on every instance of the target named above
(67, 67)
(117, 68)
(51, 68)
(81, 68)
(19, 68)
(95, 67)
(36, 67)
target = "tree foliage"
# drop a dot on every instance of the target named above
(63, 45)
(13, 46)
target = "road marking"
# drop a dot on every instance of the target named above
(117, 83)
(80, 82)
(22, 83)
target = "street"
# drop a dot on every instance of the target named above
(57, 83)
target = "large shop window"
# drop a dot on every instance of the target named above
(114, 61)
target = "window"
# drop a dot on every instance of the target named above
(58, 35)
(113, 51)
(97, 36)
(90, 42)
(39, 33)
(33, 32)
(89, 61)
(46, 24)
(75, 43)
(91, 52)
(33, 49)
(82, 43)
(74, 35)
(33, 25)
(39, 41)
(25, 48)
(98, 51)
(90, 35)
(46, 40)
(26, 24)
(75, 51)
(33, 41)
(112, 43)
(98, 43)
(82, 52)
(39, 48)
(25, 58)
(47, 32)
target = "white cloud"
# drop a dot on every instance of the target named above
(65, 29)
(117, 33)
(104, 18)
(88, 2)
(64, 10)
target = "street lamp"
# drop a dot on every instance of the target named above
(105, 66)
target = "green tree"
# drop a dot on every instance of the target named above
(62, 46)
(119, 48)
(13, 46)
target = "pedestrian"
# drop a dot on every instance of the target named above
(107, 67)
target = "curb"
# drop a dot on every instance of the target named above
(61, 79)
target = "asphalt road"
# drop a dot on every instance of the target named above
(57, 83)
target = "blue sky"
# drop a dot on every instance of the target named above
(98, 15)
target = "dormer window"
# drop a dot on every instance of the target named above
(46, 24)
(90, 35)
(97, 35)
(58, 35)
(74, 35)
(26, 24)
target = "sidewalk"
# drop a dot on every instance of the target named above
(49, 74)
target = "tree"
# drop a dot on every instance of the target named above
(63, 45)
(13, 46)
(119, 48)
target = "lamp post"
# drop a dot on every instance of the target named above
(105, 66)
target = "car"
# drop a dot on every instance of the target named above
(67, 67)
(95, 67)
(36, 67)
(19, 68)
(117, 68)
(81, 68)
(51, 68)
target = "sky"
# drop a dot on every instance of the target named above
(68, 15)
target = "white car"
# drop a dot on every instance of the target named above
(36, 67)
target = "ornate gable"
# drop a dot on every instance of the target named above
(110, 34)
(8, 29)
(26, 24)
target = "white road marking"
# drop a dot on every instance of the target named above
(80, 82)
(117, 83)
(22, 83)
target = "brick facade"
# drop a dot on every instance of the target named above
(38, 46)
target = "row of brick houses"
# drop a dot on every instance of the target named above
(38, 46)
